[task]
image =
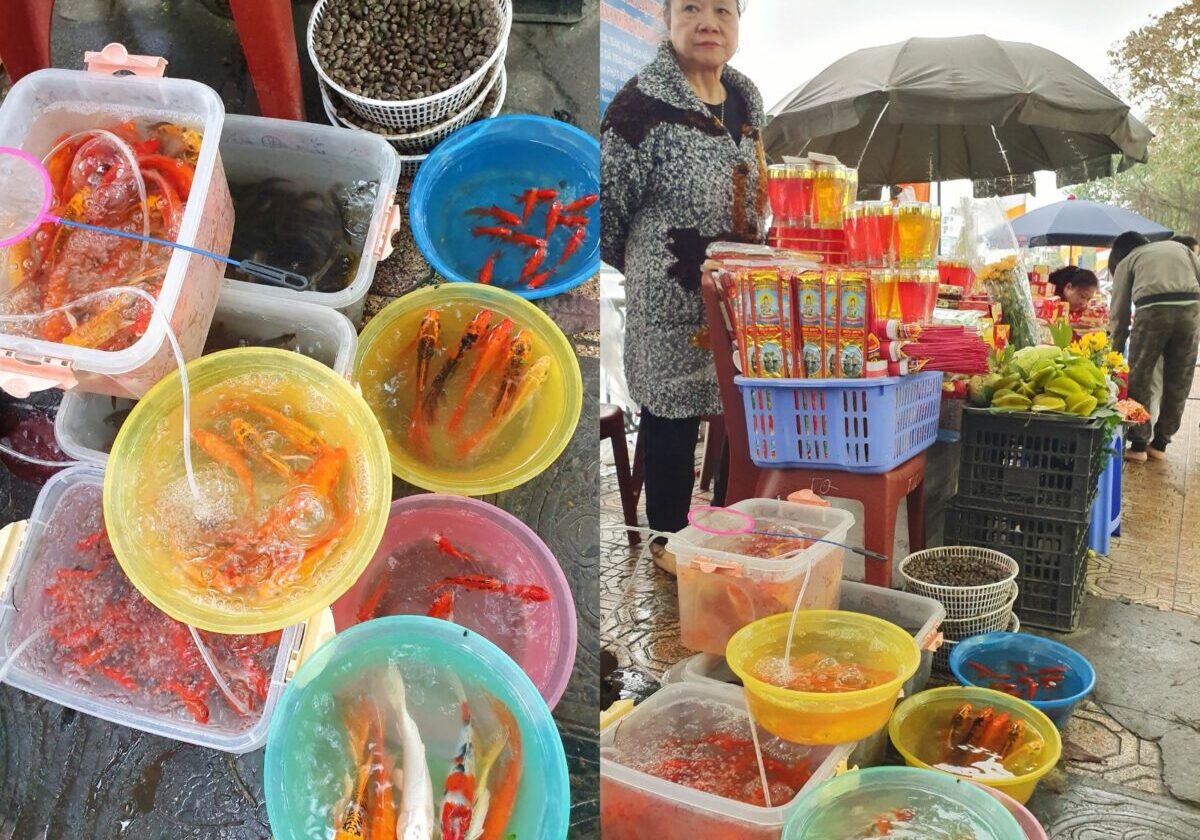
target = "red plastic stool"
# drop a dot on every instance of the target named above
(880, 496)
(264, 27)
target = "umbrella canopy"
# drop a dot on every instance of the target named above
(1082, 223)
(933, 109)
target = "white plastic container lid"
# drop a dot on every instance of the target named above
(321, 333)
(111, 708)
(826, 523)
(310, 153)
(84, 100)
(671, 703)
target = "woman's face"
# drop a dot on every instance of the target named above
(1078, 297)
(704, 33)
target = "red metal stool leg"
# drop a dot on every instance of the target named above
(269, 41)
(25, 36)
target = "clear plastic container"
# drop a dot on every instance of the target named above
(722, 589)
(638, 806)
(69, 508)
(34, 114)
(87, 424)
(318, 157)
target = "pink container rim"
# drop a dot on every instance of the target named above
(1025, 819)
(554, 684)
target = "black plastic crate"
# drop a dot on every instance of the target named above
(1051, 554)
(1035, 464)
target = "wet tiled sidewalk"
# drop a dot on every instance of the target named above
(1109, 785)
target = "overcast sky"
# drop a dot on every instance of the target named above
(786, 42)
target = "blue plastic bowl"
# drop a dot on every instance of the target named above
(305, 745)
(492, 162)
(996, 651)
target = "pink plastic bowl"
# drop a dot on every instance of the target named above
(503, 546)
(1028, 822)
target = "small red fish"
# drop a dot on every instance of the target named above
(526, 239)
(487, 583)
(498, 232)
(539, 279)
(529, 197)
(443, 606)
(532, 264)
(485, 273)
(572, 246)
(497, 213)
(552, 218)
(573, 221)
(446, 547)
(367, 611)
(581, 203)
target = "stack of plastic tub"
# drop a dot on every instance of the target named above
(87, 424)
(917, 614)
(34, 114)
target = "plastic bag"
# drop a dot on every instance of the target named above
(996, 260)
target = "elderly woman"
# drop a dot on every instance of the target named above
(682, 166)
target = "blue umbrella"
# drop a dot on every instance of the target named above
(1075, 222)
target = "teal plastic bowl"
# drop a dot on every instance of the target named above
(847, 807)
(306, 761)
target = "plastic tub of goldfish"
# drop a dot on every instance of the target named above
(836, 682)
(903, 803)
(135, 155)
(75, 631)
(289, 498)
(477, 391)
(472, 563)
(978, 734)
(683, 765)
(408, 725)
(727, 578)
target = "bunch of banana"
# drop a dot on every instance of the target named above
(1043, 379)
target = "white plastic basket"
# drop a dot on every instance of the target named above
(422, 142)
(965, 601)
(407, 115)
(941, 657)
(409, 164)
(956, 629)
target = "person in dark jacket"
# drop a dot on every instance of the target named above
(681, 166)
(1162, 280)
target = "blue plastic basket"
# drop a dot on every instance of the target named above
(856, 425)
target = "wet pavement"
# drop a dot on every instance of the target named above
(68, 775)
(1131, 751)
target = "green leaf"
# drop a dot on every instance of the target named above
(1061, 333)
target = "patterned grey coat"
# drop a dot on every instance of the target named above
(672, 182)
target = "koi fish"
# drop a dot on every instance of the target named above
(530, 383)
(367, 611)
(414, 820)
(442, 606)
(581, 203)
(572, 246)
(485, 273)
(495, 232)
(446, 547)
(573, 221)
(531, 265)
(459, 800)
(473, 332)
(531, 197)
(526, 239)
(490, 354)
(538, 280)
(552, 218)
(505, 797)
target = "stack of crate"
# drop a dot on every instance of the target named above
(1026, 486)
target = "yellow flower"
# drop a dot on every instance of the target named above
(1104, 369)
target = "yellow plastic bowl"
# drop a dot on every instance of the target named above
(806, 717)
(385, 366)
(147, 458)
(911, 725)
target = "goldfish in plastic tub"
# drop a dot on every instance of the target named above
(902, 803)
(727, 581)
(838, 680)
(978, 734)
(409, 727)
(290, 494)
(682, 765)
(472, 563)
(75, 631)
(477, 390)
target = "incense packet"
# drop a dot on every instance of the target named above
(810, 295)
(852, 324)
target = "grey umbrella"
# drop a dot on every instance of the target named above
(1075, 222)
(934, 109)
